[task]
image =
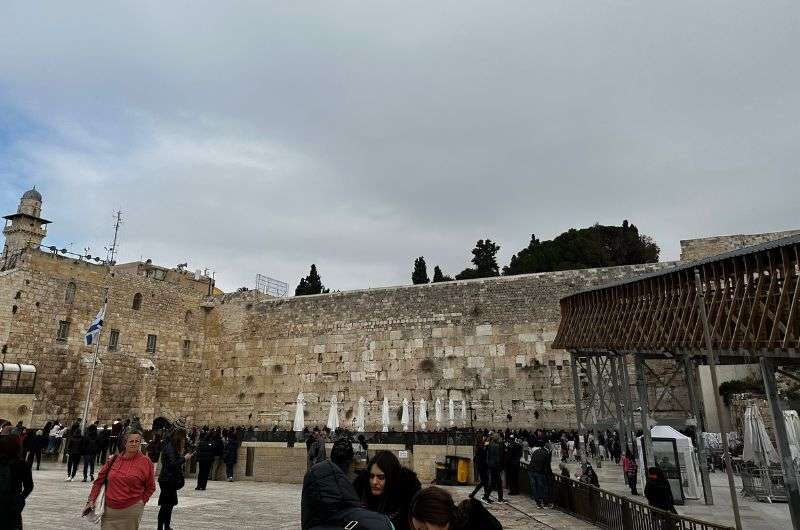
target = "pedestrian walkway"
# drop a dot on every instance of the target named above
(755, 515)
(55, 504)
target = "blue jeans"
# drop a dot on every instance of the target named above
(538, 486)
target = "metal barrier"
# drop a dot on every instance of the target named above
(615, 512)
(407, 438)
(763, 484)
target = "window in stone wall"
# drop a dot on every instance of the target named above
(113, 340)
(187, 347)
(63, 330)
(187, 317)
(137, 301)
(151, 344)
(69, 296)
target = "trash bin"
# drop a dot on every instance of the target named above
(462, 476)
(442, 473)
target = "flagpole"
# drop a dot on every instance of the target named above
(94, 364)
(91, 382)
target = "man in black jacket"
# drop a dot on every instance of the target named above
(513, 454)
(539, 471)
(495, 458)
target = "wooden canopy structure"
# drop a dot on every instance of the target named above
(752, 299)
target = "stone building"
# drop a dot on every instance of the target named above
(175, 346)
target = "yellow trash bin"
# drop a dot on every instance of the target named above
(463, 470)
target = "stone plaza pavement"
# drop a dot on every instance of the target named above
(55, 504)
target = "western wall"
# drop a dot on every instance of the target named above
(243, 357)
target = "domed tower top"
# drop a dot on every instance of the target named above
(31, 203)
(25, 228)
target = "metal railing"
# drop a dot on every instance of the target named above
(763, 484)
(615, 512)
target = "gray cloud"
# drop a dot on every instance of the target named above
(255, 138)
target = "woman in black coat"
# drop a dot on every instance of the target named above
(170, 479)
(74, 450)
(657, 490)
(482, 467)
(89, 450)
(387, 487)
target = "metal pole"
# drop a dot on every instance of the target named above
(593, 396)
(789, 472)
(723, 419)
(689, 371)
(576, 389)
(641, 389)
(623, 431)
(91, 382)
(628, 397)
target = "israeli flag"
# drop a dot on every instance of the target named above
(97, 325)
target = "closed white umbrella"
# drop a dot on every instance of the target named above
(360, 415)
(423, 415)
(299, 417)
(451, 412)
(404, 418)
(757, 445)
(333, 415)
(464, 412)
(438, 413)
(385, 415)
(792, 421)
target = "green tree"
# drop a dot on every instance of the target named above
(439, 277)
(484, 257)
(420, 274)
(311, 284)
(585, 248)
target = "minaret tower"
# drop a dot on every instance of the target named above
(25, 228)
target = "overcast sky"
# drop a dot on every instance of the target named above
(259, 137)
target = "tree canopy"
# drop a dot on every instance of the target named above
(311, 284)
(420, 274)
(484, 257)
(585, 248)
(438, 276)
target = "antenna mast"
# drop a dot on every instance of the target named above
(113, 250)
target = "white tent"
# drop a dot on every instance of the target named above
(792, 421)
(333, 415)
(423, 415)
(451, 413)
(758, 447)
(404, 419)
(438, 414)
(687, 460)
(299, 417)
(360, 415)
(385, 415)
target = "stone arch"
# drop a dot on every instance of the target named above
(69, 294)
(137, 301)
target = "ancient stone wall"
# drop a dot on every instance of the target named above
(694, 249)
(128, 379)
(486, 341)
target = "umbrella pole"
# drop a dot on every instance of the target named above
(789, 473)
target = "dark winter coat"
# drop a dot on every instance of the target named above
(495, 455)
(16, 483)
(218, 446)
(75, 444)
(171, 464)
(329, 502)
(513, 456)
(204, 451)
(231, 454)
(481, 465)
(89, 443)
(540, 461)
(659, 495)
(396, 502)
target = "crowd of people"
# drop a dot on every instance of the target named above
(383, 495)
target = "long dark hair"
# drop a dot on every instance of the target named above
(390, 465)
(435, 505)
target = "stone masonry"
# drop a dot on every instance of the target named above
(243, 357)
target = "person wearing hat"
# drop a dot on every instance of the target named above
(588, 476)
